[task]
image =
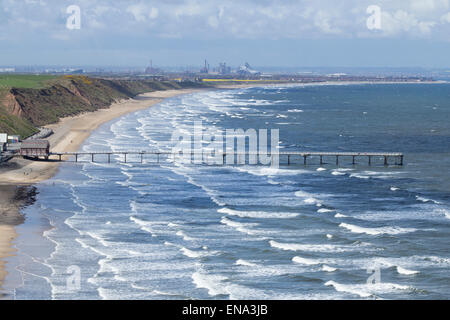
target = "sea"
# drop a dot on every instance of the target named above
(179, 230)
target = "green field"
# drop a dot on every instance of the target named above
(8, 81)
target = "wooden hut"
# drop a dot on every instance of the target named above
(35, 148)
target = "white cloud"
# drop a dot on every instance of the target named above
(402, 22)
(446, 18)
(426, 6)
(254, 19)
(323, 20)
(142, 12)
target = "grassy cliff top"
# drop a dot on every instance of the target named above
(31, 101)
(8, 81)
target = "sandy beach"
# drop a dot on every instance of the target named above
(69, 134)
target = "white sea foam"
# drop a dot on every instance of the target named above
(212, 283)
(338, 173)
(425, 200)
(321, 169)
(348, 289)
(184, 236)
(328, 268)
(339, 215)
(311, 201)
(295, 110)
(308, 262)
(258, 214)
(323, 210)
(406, 271)
(310, 247)
(359, 176)
(173, 225)
(367, 290)
(308, 198)
(98, 238)
(394, 189)
(195, 254)
(376, 231)
(242, 262)
(270, 171)
(239, 226)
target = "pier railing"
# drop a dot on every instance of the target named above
(290, 157)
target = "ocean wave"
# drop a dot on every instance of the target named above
(258, 214)
(404, 271)
(324, 210)
(376, 231)
(241, 227)
(196, 254)
(328, 268)
(184, 236)
(212, 283)
(308, 198)
(269, 171)
(338, 173)
(308, 262)
(311, 247)
(242, 262)
(425, 200)
(367, 290)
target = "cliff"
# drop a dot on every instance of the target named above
(22, 110)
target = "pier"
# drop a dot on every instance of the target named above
(293, 157)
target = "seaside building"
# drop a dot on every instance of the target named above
(3, 141)
(35, 148)
(13, 139)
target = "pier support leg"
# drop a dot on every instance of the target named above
(370, 160)
(60, 158)
(321, 160)
(92, 156)
(401, 160)
(142, 158)
(304, 160)
(289, 160)
(337, 160)
(125, 158)
(385, 160)
(76, 157)
(109, 157)
(353, 160)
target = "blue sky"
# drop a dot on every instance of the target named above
(414, 33)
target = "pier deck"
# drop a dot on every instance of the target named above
(290, 156)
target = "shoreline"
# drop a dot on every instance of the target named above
(69, 134)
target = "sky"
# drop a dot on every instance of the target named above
(307, 33)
